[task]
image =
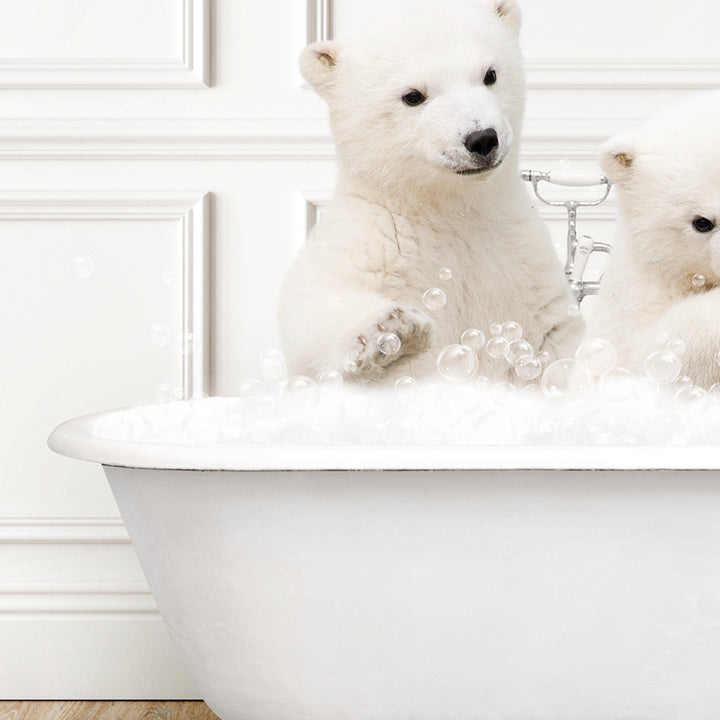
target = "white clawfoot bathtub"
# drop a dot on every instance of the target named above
(430, 583)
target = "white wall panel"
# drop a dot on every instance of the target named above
(101, 43)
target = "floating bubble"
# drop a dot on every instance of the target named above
(251, 389)
(698, 280)
(272, 365)
(662, 338)
(483, 382)
(693, 398)
(517, 351)
(167, 393)
(543, 356)
(83, 267)
(160, 335)
(597, 355)
(188, 344)
(445, 274)
(350, 367)
(457, 363)
(434, 299)
(676, 346)
(388, 343)
(406, 386)
(170, 279)
(573, 309)
(683, 382)
(300, 393)
(511, 331)
(616, 384)
(474, 339)
(529, 368)
(331, 380)
(567, 380)
(663, 366)
(496, 346)
(496, 329)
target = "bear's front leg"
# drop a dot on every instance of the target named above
(398, 333)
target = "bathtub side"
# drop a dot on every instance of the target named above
(463, 595)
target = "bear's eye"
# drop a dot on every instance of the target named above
(490, 77)
(413, 98)
(703, 225)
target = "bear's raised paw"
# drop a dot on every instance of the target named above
(400, 333)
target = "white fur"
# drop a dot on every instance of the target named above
(666, 174)
(401, 211)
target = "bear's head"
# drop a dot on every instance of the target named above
(667, 182)
(434, 98)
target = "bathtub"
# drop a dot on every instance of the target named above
(429, 583)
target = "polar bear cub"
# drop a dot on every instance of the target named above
(663, 278)
(426, 115)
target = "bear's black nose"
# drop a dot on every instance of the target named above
(482, 142)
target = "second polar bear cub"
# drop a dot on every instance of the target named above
(426, 114)
(663, 280)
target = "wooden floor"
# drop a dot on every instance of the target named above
(110, 710)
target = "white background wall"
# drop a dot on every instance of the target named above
(140, 135)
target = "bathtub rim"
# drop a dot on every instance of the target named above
(74, 438)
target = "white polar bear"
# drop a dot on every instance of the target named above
(663, 278)
(426, 116)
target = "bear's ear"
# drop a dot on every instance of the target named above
(509, 12)
(318, 65)
(617, 158)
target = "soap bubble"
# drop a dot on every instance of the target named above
(388, 343)
(543, 356)
(616, 384)
(331, 380)
(272, 365)
(300, 393)
(529, 368)
(188, 344)
(662, 338)
(83, 266)
(496, 346)
(573, 309)
(597, 355)
(350, 366)
(473, 338)
(496, 329)
(676, 346)
(683, 382)
(511, 331)
(714, 392)
(445, 274)
(160, 335)
(694, 398)
(250, 390)
(457, 363)
(663, 366)
(698, 280)
(434, 299)
(167, 393)
(517, 351)
(406, 386)
(567, 380)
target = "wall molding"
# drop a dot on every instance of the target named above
(191, 209)
(293, 139)
(190, 70)
(63, 531)
(622, 74)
